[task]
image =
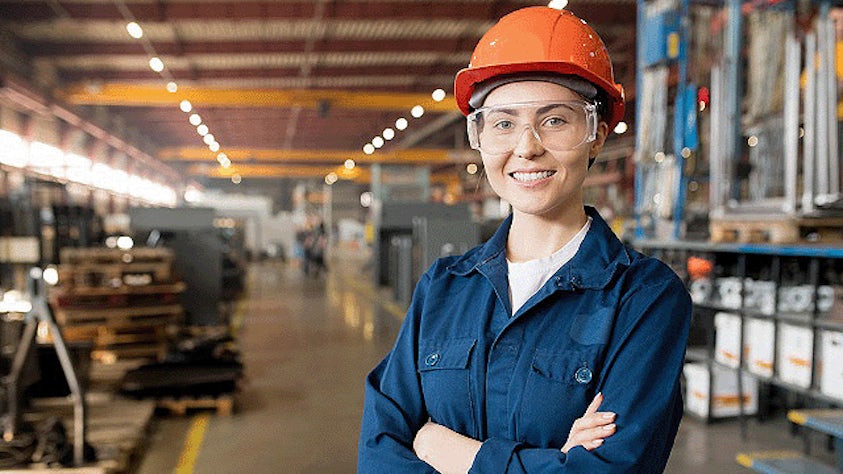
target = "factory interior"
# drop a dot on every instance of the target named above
(214, 215)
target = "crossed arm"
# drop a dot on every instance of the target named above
(450, 452)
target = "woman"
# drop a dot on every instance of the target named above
(507, 351)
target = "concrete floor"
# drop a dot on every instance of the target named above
(307, 344)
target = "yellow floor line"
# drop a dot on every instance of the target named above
(192, 445)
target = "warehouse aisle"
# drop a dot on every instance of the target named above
(307, 345)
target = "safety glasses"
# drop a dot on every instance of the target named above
(557, 125)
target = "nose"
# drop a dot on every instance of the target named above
(528, 144)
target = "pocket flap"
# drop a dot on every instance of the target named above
(445, 354)
(571, 367)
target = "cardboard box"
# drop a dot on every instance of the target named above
(724, 391)
(831, 374)
(760, 345)
(795, 354)
(727, 342)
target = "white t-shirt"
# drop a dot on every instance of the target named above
(526, 278)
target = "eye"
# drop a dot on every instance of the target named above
(504, 125)
(554, 121)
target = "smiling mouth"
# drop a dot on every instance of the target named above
(532, 176)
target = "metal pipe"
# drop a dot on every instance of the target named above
(833, 125)
(79, 418)
(716, 196)
(792, 61)
(733, 83)
(822, 106)
(808, 147)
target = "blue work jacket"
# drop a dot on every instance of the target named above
(610, 320)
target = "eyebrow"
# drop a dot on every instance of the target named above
(539, 111)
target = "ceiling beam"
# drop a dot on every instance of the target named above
(51, 49)
(412, 156)
(157, 96)
(358, 174)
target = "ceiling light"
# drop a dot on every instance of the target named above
(172, 87)
(221, 157)
(438, 95)
(156, 64)
(388, 134)
(135, 30)
(236, 179)
(185, 106)
(214, 147)
(377, 142)
(471, 168)
(366, 199)
(558, 4)
(417, 111)
(752, 141)
(208, 138)
(621, 128)
(202, 130)
(368, 148)
(401, 123)
(331, 178)
(350, 164)
(226, 164)
(195, 119)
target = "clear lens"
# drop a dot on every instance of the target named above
(558, 125)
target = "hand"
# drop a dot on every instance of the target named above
(590, 430)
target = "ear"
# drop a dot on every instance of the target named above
(600, 140)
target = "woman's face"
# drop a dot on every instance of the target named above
(532, 179)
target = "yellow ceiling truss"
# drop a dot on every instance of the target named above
(126, 94)
(410, 156)
(358, 174)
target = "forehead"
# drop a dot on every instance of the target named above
(529, 91)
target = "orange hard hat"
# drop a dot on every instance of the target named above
(542, 39)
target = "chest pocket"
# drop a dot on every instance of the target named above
(444, 369)
(559, 387)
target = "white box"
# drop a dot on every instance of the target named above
(727, 342)
(20, 249)
(831, 375)
(760, 345)
(795, 354)
(724, 391)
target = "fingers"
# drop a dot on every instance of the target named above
(595, 404)
(593, 437)
(594, 420)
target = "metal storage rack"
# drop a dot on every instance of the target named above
(819, 260)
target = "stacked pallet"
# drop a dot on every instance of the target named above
(123, 301)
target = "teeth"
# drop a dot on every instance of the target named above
(532, 176)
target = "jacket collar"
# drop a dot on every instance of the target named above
(595, 264)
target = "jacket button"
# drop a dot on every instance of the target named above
(432, 359)
(583, 375)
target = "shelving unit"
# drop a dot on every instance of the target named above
(744, 263)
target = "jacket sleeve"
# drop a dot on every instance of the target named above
(640, 383)
(394, 409)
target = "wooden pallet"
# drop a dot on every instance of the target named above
(223, 404)
(106, 255)
(774, 229)
(115, 352)
(115, 275)
(117, 428)
(118, 316)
